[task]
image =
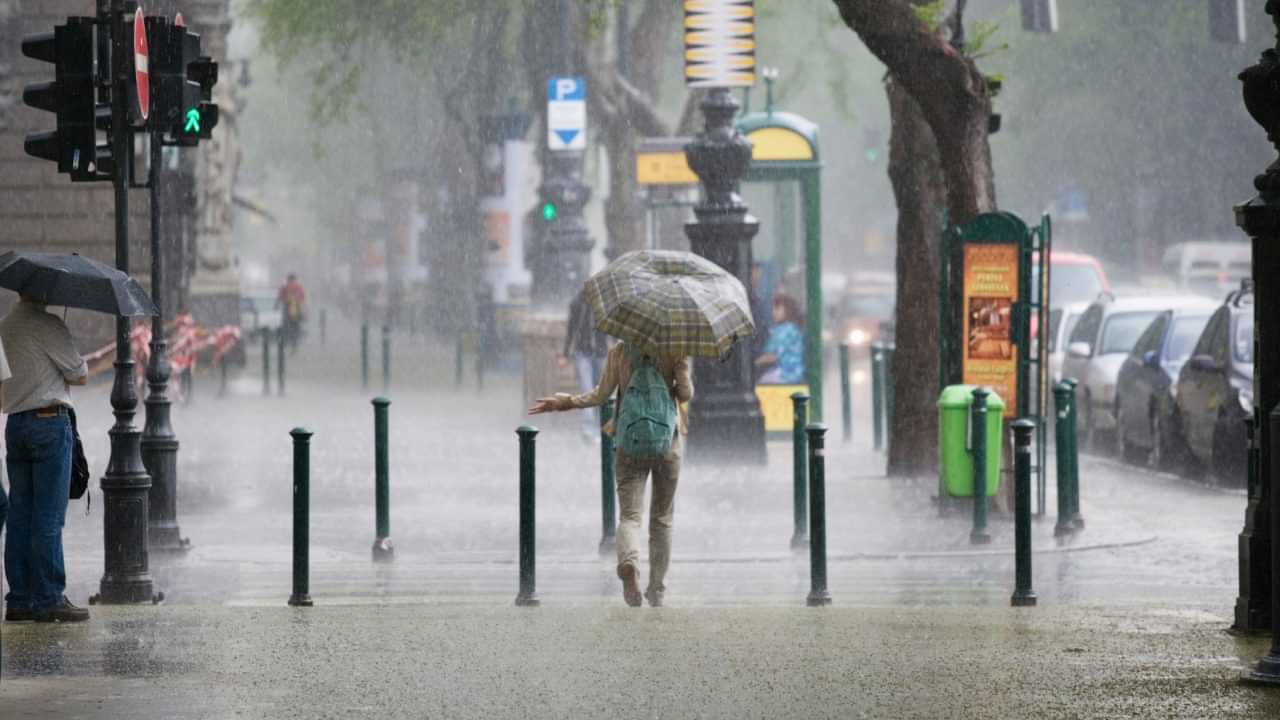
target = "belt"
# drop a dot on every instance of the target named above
(51, 411)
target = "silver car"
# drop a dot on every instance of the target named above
(1062, 320)
(1097, 347)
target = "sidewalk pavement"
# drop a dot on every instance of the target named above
(1129, 624)
(480, 661)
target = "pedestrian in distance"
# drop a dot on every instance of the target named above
(782, 359)
(585, 347)
(39, 441)
(648, 426)
(292, 302)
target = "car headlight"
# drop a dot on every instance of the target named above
(858, 336)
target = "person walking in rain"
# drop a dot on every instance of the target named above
(587, 349)
(623, 366)
(292, 300)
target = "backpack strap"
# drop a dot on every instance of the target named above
(634, 356)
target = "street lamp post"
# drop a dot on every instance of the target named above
(562, 258)
(1260, 218)
(126, 485)
(726, 411)
(562, 261)
(159, 445)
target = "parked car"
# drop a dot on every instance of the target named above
(1062, 320)
(1215, 391)
(1207, 267)
(1073, 278)
(1147, 381)
(865, 311)
(1098, 345)
(259, 313)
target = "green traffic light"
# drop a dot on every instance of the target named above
(192, 126)
(549, 211)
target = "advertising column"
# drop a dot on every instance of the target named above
(990, 357)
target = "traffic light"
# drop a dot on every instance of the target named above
(183, 81)
(73, 145)
(1040, 16)
(199, 112)
(549, 211)
(871, 144)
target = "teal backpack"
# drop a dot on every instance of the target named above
(647, 423)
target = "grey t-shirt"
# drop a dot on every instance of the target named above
(42, 357)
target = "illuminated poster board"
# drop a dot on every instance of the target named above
(990, 357)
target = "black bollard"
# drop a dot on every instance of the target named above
(846, 399)
(280, 354)
(978, 422)
(324, 318)
(877, 396)
(1077, 520)
(301, 596)
(266, 361)
(528, 595)
(457, 362)
(386, 358)
(1064, 431)
(890, 393)
(608, 486)
(1023, 595)
(364, 355)
(818, 593)
(799, 470)
(1267, 671)
(382, 548)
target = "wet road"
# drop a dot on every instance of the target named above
(1132, 608)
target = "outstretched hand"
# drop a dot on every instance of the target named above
(544, 405)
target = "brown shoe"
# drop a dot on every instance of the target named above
(18, 614)
(630, 584)
(64, 611)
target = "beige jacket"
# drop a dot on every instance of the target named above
(617, 375)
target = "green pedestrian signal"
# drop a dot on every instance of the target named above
(192, 126)
(549, 211)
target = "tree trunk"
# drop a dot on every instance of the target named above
(622, 96)
(952, 98)
(916, 175)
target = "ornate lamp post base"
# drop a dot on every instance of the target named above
(1267, 671)
(725, 410)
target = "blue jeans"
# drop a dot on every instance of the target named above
(39, 465)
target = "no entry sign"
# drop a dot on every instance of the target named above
(141, 69)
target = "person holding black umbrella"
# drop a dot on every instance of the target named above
(38, 441)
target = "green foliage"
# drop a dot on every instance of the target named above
(1138, 107)
(931, 13)
(333, 35)
(980, 33)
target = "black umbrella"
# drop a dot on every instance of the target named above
(74, 281)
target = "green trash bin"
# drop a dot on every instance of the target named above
(954, 440)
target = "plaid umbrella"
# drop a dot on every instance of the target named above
(672, 303)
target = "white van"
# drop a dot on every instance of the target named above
(1208, 267)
